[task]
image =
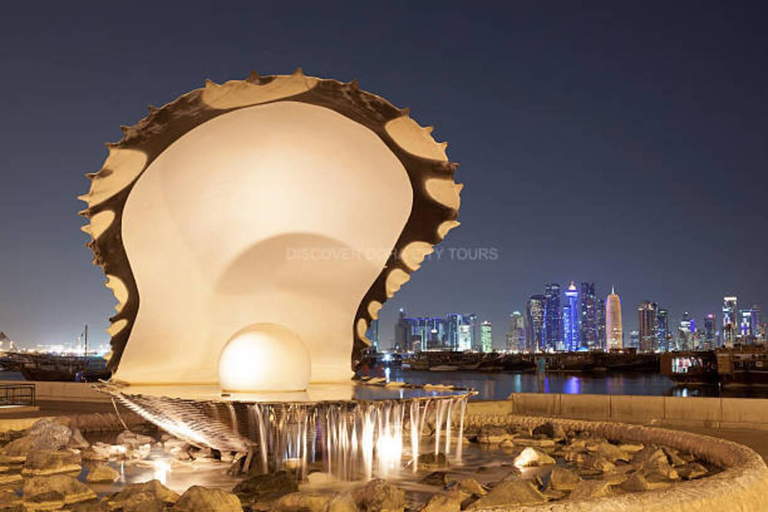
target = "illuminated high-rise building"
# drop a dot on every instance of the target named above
(646, 326)
(749, 327)
(600, 324)
(553, 317)
(474, 329)
(663, 337)
(588, 316)
(486, 336)
(710, 331)
(730, 322)
(534, 323)
(614, 330)
(465, 337)
(571, 318)
(402, 332)
(634, 339)
(685, 332)
(516, 333)
(454, 323)
(373, 334)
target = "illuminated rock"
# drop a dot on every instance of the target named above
(531, 457)
(284, 200)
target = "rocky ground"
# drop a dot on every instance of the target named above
(39, 470)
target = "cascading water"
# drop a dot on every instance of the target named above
(353, 439)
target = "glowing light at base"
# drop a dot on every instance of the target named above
(264, 357)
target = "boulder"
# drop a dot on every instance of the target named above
(102, 474)
(149, 494)
(128, 438)
(266, 488)
(51, 462)
(441, 503)
(691, 471)
(51, 492)
(550, 430)
(201, 499)
(647, 454)
(10, 501)
(50, 435)
(531, 457)
(379, 496)
(675, 457)
(471, 486)
(563, 479)
(302, 501)
(103, 451)
(598, 463)
(591, 489)
(635, 483)
(610, 452)
(431, 460)
(436, 478)
(509, 494)
(659, 469)
(342, 503)
(77, 440)
(529, 441)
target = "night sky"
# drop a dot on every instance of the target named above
(621, 144)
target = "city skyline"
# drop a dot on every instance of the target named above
(605, 143)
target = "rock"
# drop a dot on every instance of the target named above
(591, 489)
(493, 435)
(436, 478)
(528, 441)
(691, 471)
(342, 503)
(598, 463)
(553, 494)
(103, 451)
(648, 454)
(201, 499)
(531, 457)
(563, 479)
(319, 478)
(658, 469)
(510, 493)
(266, 488)
(635, 483)
(128, 438)
(674, 456)
(91, 506)
(471, 486)
(50, 462)
(10, 479)
(10, 501)
(379, 495)
(102, 474)
(301, 501)
(51, 435)
(148, 493)
(550, 430)
(77, 440)
(441, 503)
(610, 452)
(51, 492)
(631, 448)
(431, 460)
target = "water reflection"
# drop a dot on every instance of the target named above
(498, 386)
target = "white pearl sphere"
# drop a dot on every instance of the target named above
(264, 357)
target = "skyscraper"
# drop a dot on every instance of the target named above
(600, 324)
(588, 315)
(465, 337)
(474, 329)
(646, 325)
(730, 322)
(614, 330)
(749, 328)
(571, 318)
(486, 335)
(710, 330)
(516, 333)
(402, 332)
(685, 333)
(454, 323)
(373, 334)
(553, 317)
(534, 319)
(662, 330)
(634, 339)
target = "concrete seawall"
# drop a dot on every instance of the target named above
(746, 413)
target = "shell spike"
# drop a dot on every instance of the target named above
(254, 77)
(210, 83)
(405, 111)
(152, 109)
(298, 73)
(354, 84)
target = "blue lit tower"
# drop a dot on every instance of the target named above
(553, 317)
(730, 327)
(588, 316)
(454, 325)
(662, 330)
(571, 318)
(373, 334)
(534, 323)
(601, 322)
(710, 330)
